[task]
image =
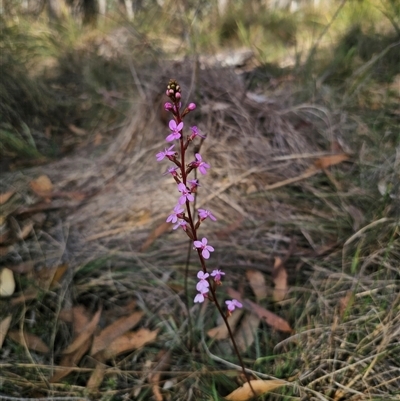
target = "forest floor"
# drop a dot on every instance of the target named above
(97, 289)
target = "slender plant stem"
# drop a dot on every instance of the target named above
(224, 317)
(193, 237)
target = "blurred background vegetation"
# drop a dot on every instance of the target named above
(71, 64)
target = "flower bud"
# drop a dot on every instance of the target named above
(191, 106)
(173, 90)
(168, 106)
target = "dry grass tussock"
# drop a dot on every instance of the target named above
(270, 199)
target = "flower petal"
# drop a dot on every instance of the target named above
(172, 125)
(205, 253)
(199, 298)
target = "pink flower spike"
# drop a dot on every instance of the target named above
(175, 134)
(186, 194)
(202, 166)
(167, 152)
(206, 249)
(173, 217)
(232, 305)
(203, 214)
(217, 275)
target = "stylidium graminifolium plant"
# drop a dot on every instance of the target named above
(182, 214)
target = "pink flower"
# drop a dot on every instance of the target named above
(202, 276)
(232, 305)
(173, 217)
(200, 296)
(193, 184)
(202, 166)
(203, 214)
(206, 249)
(180, 223)
(186, 194)
(168, 106)
(172, 171)
(195, 132)
(175, 134)
(203, 284)
(217, 275)
(167, 152)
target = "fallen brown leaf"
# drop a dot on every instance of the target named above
(97, 377)
(76, 130)
(257, 284)
(83, 329)
(245, 334)
(84, 335)
(58, 275)
(49, 277)
(66, 315)
(114, 330)
(69, 361)
(42, 186)
(279, 276)
(4, 197)
(163, 361)
(221, 332)
(272, 319)
(34, 343)
(245, 393)
(158, 231)
(110, 315)
(327, 161)
(4, 326)
(129, 341)
(80, 319)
